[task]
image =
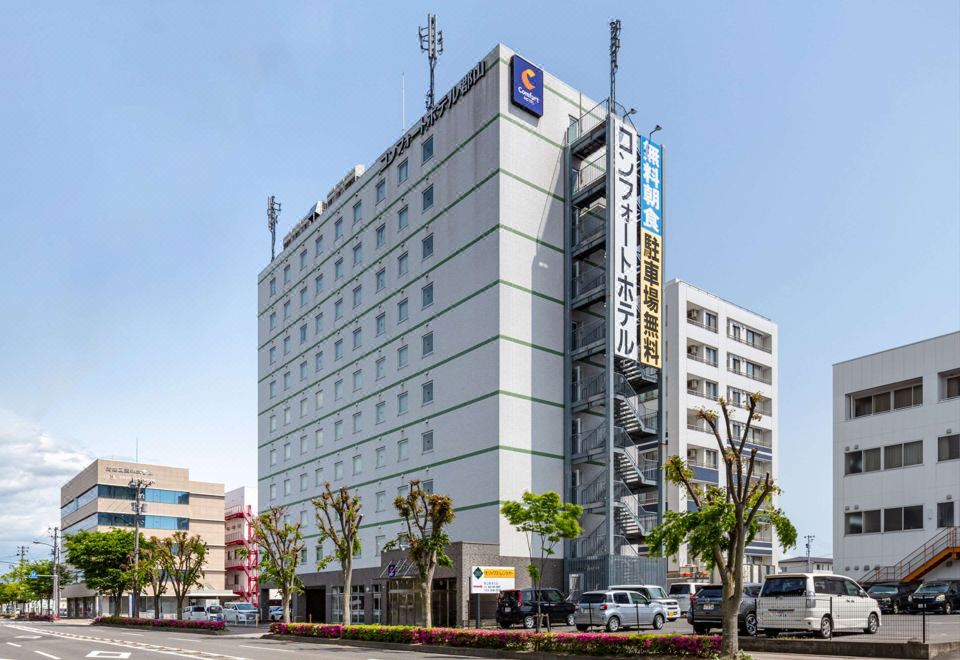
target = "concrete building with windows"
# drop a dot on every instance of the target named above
(896, 463)
(99, 498)
(241, 552)
(800, 564)
(440, 316)
(718, 349)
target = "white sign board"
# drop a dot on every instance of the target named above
(492, 579)
(624, 218)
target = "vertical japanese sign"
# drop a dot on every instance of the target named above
(624, 209)
(651, 249)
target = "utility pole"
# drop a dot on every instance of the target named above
(22, 553)
(55, 532)
(139, 507)
(809, 538)
(431, 43)
(614, 50)
(273, 212)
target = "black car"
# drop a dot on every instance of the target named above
(936, 596)
(892, 596)
(519, 607)
(706, 608)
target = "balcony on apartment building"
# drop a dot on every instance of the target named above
(701, 317)
(749, 369)
(702, 353)
(702, 387)
(745, 335)
(758, 436)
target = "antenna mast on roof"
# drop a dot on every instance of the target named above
(431, 43)
(614, 50)
(273, 211)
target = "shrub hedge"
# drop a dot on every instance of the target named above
(158, 623)
(599, 644)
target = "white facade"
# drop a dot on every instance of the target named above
(715, 348)
(468, 396)
(896, 454)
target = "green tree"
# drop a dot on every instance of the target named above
(338, 516)
(182, 559)
(104, 558)
(281, 543)
(728, 517)
(426, 516)
(154, 562)
(545, 520)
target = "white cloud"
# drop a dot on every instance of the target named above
(33, 466)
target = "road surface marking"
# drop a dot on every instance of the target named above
(122, 655)
(130, 633)
(27, 637)
(12, 644)
(264, 648)
(47, 655)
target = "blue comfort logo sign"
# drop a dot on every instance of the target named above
(527, 85)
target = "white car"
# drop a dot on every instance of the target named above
(656, 593)
(276, 613)
(240, 613)
(817, 602)
(201, 613)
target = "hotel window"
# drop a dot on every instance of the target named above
(403, 171)
(303, 297)
(273, 457)
(903, 519)
(357, 212)
(286, 380)
(381, 324)
(273, 286)
(403, 491)
(403, 264)
(381, 191)
(318, 438)
(303, 485)
(338, 229)
(303, 408)
(286, 345)
(427, 486)
(338, 430)
(402, 403)
(945, 516)
(303, 333)
(402, 450)
(338, 309)
(338, 471)
(358, 254)
(403, 218)
(338, 349)
(273, 491)
(426, 150)
(318, 361)
(427, 391)
(357, 423)
(426, 294)
(948, 447)
(402, 310)
(381, 412)
(318, 245)
(338, 269)
(303, 370)
(303, 260)
(318, 323)
(402, 357)
(381, 279)
(427, 342)
(357, 295)
(286, 274)
(357, 464)
(304, 444)
(273, 422)
(273, 389)
(949, 385)
(903, 455)
(426, 197)
(357, 340)
(286, 310)
(273, 354)
(381, 455)
(303, 518)
(380, 368)
(273, 320)
(318, 284)
(427, 245)
(287, 415)
(286, 486)
(381, 235)
(427, 439)
(357, 379)
(318, 477)
(381, 501)
(338, 390)
(867, 460)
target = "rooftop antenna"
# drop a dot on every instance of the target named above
(431, 43)
(273, 210)
(614, 50)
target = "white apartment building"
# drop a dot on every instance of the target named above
(896, 462)
(716, 349)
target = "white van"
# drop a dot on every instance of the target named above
(816, 602)
(683, 591)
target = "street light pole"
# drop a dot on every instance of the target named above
(139, 507)
(56, 574)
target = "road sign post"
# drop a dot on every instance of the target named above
(490, 580)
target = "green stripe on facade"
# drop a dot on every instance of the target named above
(393, 521)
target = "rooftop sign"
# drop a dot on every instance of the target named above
(527, 89)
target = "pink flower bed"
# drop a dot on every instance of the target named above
(599, 644)
(158, 623)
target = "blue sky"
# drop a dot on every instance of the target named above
(812, 169)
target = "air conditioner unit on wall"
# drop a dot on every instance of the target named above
(693, 384)
(693, 314)
(691, 350)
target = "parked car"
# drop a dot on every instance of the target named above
(682, 591)
(519, 606)
(615, 610)
(817, 602)
(892, 596)
(275, 613)
(194, 613)
(706, 611)
(238, 612)
(936, 596)
(214, 613)
(654, 592)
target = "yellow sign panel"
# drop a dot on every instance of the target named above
(650, 278)
(490, 572)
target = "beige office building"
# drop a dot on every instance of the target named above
(99, 498)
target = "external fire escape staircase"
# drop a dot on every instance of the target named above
(942, 547)
(250, 564)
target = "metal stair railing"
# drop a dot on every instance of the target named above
(589, 442)
(948, 538)
(626, 393)
(586, 388)
(644, 523)
(590, 223)
(647, 468)
(589, 279)
(588, 333)
(590, 171)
